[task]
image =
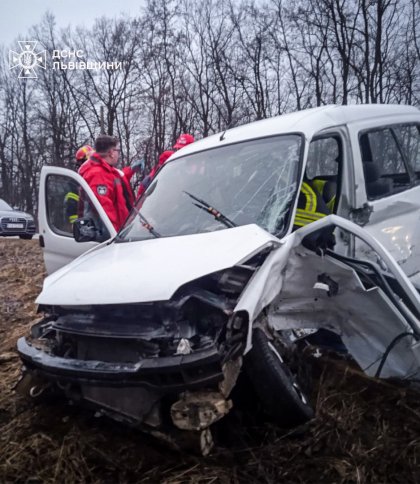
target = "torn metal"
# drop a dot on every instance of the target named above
(367, 310)
(177, 360)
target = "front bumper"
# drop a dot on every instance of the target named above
(25, 229)
(174, 373)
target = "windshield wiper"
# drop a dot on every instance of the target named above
(211, 210)
(145, 223)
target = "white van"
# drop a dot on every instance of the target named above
(210, 276)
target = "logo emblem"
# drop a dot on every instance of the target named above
(102, 189)
(27, 59)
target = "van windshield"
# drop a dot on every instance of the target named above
(244, 183)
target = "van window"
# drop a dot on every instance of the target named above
(323, 167)
(409, 138)
(323, 157)
(385, 151)
(66, 201)
(384, 166)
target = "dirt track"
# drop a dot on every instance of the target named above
(365, 431)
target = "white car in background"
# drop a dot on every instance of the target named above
(14, 222)
(207, 277)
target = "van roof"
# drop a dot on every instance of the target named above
(308, 122)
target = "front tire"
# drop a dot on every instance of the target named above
(277, 387)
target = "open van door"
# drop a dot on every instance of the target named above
(65, 197)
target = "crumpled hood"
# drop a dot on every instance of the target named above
(150, 270)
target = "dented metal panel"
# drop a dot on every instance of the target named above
(365, 318)
(395, 223)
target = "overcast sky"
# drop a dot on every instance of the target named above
(17, 16)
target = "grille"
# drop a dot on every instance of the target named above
(8, 224)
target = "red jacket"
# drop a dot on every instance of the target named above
(111, 187)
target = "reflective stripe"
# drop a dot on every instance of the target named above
(71, 196)
(305, 216)
(73, 218)
(310, 197)
(330, 204)
(319, 185)
(309, 215)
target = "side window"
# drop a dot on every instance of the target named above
(409, 138)
(66, 202)
(383, 163)
(322, 169)
(323, 158)
(385, 151)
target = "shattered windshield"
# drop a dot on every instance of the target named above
(249, 182)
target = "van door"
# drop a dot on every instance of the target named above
(65, 196)
(390, 162)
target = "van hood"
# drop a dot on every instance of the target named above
(152, 269)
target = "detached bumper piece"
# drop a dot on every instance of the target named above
(170, 373)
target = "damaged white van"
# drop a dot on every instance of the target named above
(211, 276)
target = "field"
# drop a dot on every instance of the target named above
(364, 431)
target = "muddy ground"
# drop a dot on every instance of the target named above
(364, 430)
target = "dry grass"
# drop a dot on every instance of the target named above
(365, 430)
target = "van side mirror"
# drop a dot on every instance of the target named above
(85, 230)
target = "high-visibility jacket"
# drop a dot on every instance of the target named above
(111, 187)
(71, 204)
(329, 198)
(311, 206)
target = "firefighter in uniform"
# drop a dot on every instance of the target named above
(313, 207)
(71, 199)
(327, 189)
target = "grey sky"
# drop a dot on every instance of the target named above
(18, 16)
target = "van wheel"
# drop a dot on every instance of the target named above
(277, 387)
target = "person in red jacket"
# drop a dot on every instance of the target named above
(183, 140)
(147, 180)
(110, 185)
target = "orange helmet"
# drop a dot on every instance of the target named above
(84, 153)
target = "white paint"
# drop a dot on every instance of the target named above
(150, 270)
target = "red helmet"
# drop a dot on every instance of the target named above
(84, 153)
(164, 156)
(184, 140)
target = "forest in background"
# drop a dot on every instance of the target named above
(198, 67)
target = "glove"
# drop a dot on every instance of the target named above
(137, 165)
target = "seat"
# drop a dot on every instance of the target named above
(375, 185)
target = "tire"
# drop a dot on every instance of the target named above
(26, 237)
(276, 386)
